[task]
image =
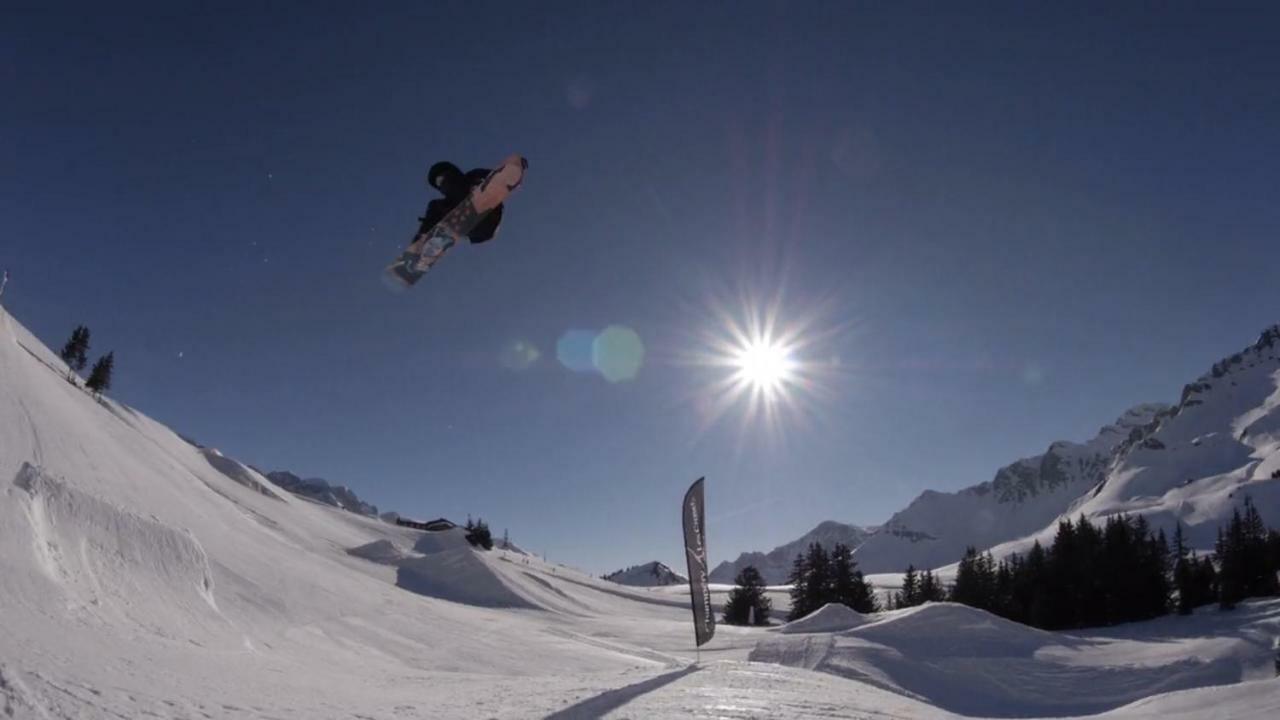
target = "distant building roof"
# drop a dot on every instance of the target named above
(433, 526)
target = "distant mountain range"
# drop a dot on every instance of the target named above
(651, 574)
(1187, 463)
(323, 491)
(775, 565)
(1023, 497)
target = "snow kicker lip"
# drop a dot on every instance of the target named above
(77, 537)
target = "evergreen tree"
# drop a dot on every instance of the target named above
(798, 579)
(100, 377)
(817, 586)
(1229, 549)
(968, 587)
(1207, 581)
(1157, 585)
(848, 585)
(747, 603)
(76, 352)
(930, 589)
(1003, 602)
(1032, 587)
(1201, 584)
(909, 596)
(1062, 588)
(1182, 572)
(1260, 574)
(841, 578)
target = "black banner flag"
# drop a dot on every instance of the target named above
(695, 552)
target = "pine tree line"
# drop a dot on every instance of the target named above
(1248, 558)
(1087, 577)
(818, 578)
(1120, 573)
(478, 533)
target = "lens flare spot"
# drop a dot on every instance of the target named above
(518, 355)
(573, 350)
(618, 353)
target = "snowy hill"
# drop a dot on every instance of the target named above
(339, 496)
(775, 565)
(142, 576)
(651, 574)
(1195, 462)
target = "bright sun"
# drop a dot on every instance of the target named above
(767, 371)
(764, 365)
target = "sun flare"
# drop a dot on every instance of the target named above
(764, 365)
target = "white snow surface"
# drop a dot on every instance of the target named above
(970, 662)
(832, 617)
(142, 577)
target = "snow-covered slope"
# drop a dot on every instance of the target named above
(775, 565)
(320, 490)
(1195, 463)
(650, 574)
(141, 576)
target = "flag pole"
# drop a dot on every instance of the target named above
(695, 553)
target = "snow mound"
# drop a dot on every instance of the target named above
(443, 565)
(832, 617)
(106, 564)
(970, 662)
(384, 552)
(459, 576)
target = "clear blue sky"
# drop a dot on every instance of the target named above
(1009, 224)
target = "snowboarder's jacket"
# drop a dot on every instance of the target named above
(455, 186)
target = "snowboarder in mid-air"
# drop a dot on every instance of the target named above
(455, 185)
(471, 208)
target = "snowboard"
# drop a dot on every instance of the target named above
(427, 248)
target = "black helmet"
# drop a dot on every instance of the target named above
(443, 174)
